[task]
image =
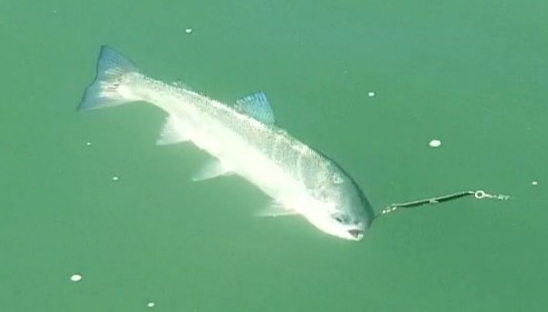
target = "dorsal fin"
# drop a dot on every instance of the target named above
(256, 105)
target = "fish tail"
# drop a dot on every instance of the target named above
(107, 88)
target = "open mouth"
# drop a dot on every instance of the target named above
(356, 234)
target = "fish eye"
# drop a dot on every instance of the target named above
(340, 217)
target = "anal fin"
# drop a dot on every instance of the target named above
(211, 170)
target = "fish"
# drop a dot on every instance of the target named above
(243, 139)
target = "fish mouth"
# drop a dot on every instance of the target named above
(356, 234)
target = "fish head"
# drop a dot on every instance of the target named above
(346, 211)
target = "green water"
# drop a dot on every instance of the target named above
(471, 74)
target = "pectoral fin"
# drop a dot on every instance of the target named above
(276, 210)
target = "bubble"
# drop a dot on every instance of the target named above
(435, 143)
(88, 143)
(534, 183)
(151, 304)
(188, 30)
(115, 178)
(76, 277)
(370, 94)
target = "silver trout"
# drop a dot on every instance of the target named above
(244, 140)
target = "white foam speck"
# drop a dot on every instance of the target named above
(151, 304)
(115, 178)
(188, 30)
(435, 143)
(534, 183)
(76, 277)
(370, 94)
(88, 143)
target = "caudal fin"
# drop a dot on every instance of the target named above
(104, 90)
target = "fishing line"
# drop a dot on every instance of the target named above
(479, 194)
